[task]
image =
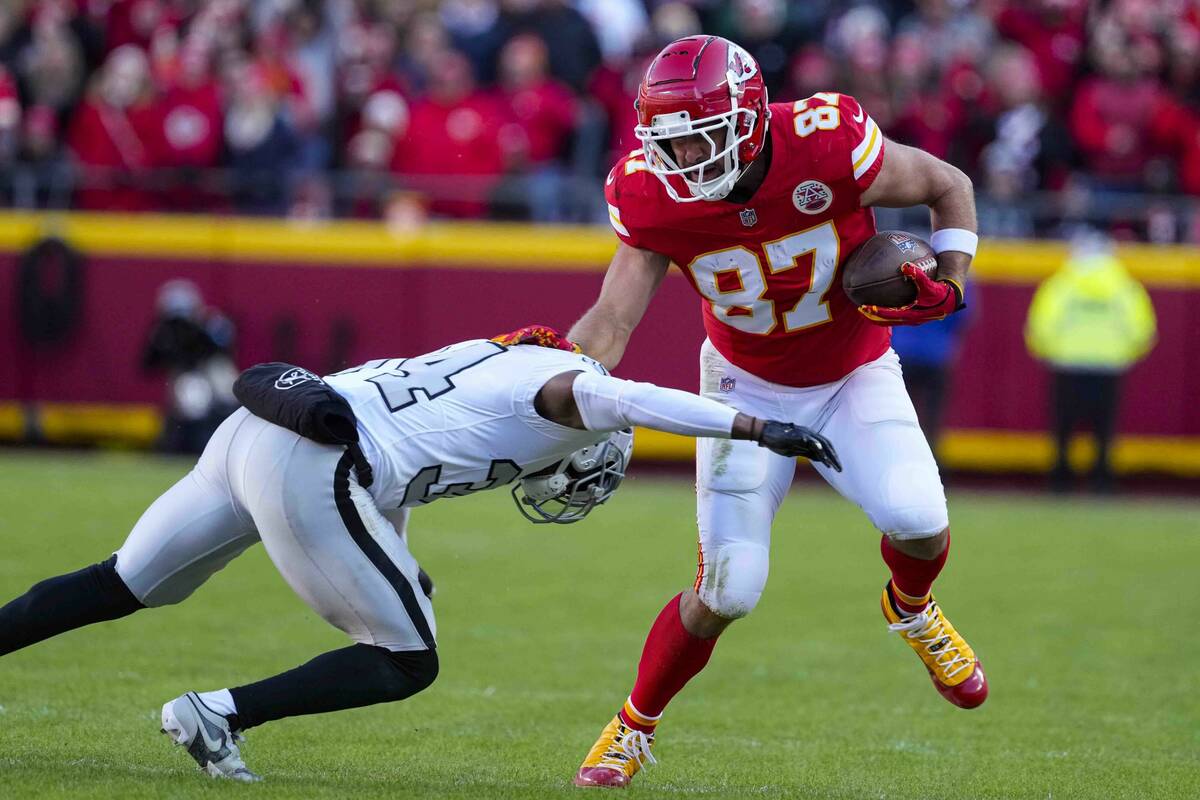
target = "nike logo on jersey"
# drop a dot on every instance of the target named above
(858, 117)
(612, 176)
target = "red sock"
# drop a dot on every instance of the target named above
(912, 578)
(669, 660)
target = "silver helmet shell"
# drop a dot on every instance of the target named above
(581, 481)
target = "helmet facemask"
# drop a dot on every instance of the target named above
(583, 480)
(711, 179)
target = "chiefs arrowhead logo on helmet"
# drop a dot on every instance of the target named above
(706, 89)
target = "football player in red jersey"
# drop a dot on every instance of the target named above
(760, 205)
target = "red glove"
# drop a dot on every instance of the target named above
(541, 335)
(936, 299)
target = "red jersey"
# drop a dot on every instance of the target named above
(769, 270)
(463, 139)
(546, 113)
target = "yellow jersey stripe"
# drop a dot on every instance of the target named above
(873, 145)
(614, 217)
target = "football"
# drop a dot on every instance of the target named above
(872, 274)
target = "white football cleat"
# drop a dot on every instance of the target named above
(207, 737)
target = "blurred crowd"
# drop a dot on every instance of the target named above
(516, 108)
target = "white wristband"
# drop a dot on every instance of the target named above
(958, 239)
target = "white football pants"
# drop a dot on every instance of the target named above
(258, 481)
(887, 469)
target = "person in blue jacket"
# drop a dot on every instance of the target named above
(928, 353)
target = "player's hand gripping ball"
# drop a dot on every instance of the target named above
(891, 278)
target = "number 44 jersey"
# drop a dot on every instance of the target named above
(769, 270)
(458, 420)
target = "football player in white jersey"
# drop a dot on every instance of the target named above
(524, 409)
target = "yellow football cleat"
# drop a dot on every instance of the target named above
(616, 756)
(955, 671)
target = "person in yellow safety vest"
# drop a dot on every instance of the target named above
(1090, 322)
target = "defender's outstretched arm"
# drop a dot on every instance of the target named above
(632, 279)
(594, 402)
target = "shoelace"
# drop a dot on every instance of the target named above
(929, 628)
(630, 743)
(234, 762)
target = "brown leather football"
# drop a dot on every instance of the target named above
(872, 274)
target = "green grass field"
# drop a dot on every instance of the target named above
(1084, 613)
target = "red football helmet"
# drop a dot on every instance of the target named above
(700, 85)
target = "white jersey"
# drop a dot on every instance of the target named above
(458, 420)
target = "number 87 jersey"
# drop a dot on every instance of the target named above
(769, 270)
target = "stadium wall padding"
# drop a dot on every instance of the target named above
(406, 293)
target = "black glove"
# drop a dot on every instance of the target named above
(791, 440)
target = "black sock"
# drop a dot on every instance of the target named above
(360, 675)
(56, 605)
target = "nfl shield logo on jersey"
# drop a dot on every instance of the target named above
(727, 383)
(294, 377)
(749, 217)
(812, 197)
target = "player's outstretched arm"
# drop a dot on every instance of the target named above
(910, 177)
(632, 279)
(594, 402)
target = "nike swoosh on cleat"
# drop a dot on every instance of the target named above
(214, 737)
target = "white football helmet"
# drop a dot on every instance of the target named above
(569, 490)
